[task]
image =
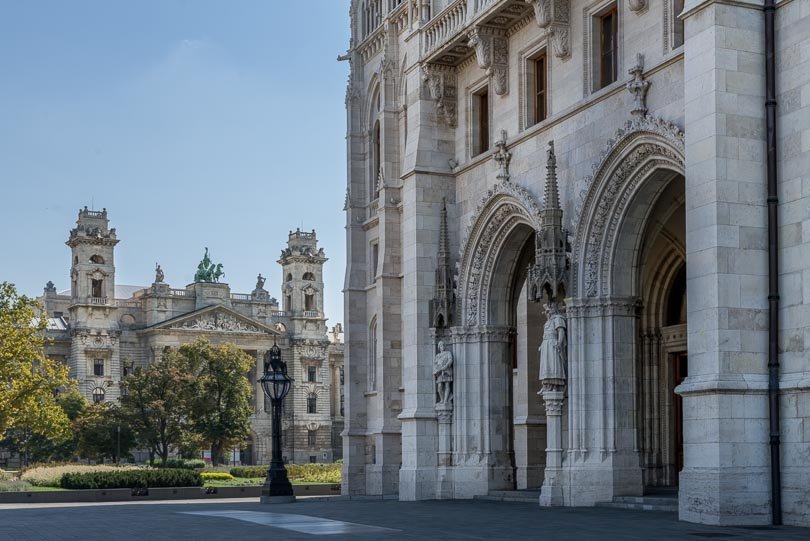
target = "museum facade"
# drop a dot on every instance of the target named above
(102, 330)
(576, 253)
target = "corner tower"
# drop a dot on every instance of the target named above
(309, 432)
(94, 356)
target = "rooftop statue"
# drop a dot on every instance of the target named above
(207, 271)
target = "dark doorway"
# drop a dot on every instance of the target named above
(679, 374)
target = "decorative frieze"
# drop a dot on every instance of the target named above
(492, 53)
(217, 321)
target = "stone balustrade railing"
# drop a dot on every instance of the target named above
(97, 300)
(310, 313)
(278, 313)
(241, 296)
(443, 26)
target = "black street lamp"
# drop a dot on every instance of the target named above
(276, 384)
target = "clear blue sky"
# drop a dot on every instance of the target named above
(194, 122)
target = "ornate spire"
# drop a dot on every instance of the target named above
(548, 277)
(551, 194)
(441, 307)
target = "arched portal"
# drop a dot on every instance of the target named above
(495, 440)
(629, 248)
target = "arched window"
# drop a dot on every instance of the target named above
(309, 277)
(312, 403)
(98, 395)
(289, 277)
(376, 164)
(372, 354)
(97, 259)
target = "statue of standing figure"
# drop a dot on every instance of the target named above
(553, 349)
(158, 274)
(443, 372)
(260, 281)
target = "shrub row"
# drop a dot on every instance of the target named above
(45, 475)
(312, 473)
(184, 463)
(148, 478)
(216, 476)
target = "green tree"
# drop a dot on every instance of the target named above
(220, 394)
(29, 381)
(103, 433)
(43, 449)
(155, 403)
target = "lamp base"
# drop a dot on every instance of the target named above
(277, 499)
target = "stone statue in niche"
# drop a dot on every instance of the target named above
(443, 372)
(553, 349)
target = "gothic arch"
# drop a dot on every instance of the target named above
(504, 208)
(642, 148)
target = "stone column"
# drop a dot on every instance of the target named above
(444, 414)
(726, 475)
(551, 494)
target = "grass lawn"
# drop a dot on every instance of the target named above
(43, 489)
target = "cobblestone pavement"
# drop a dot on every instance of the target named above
(339, 519)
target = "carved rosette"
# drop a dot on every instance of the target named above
(492, 53)
(554, 16)
(440, 82)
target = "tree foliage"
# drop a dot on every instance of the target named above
(29, 381)
(219, 405)
(103, 433)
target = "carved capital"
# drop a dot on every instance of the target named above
(554, 16)
(440, 82)
(492, 53)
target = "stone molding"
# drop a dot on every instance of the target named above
(440, 82)
(642, 145)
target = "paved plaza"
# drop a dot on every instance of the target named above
(337, 519)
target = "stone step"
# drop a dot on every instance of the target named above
(651, 500)
(671, 507)
(521, 496)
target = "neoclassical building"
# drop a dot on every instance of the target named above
(620, 185)
(102, 330)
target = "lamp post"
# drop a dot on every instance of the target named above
(276, 384)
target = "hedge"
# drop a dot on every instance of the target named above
(249, 471)
(184, 463)
(311, 473)
(216, 476)
(149, 478)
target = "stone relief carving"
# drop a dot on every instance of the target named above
(553, 349)
(637, 5)
(443, 375)
(638, 87)
(554, 16)
(218, 321)
(441, 85)
(602, 211)
(502, 157)
(492, 53)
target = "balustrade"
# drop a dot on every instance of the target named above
(444, 25)
(97, 300)
(241, 296)
(310, 313)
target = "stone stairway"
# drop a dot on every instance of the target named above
(514, 496)
(661, 500)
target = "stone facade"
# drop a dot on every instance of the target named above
(653, 245)
(102, 330)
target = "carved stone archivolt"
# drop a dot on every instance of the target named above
(554, 16)
(643, 145)
(504, 207)
(491, 48)
(440, 82)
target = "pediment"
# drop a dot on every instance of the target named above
(218, 319)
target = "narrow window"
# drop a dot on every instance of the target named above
(312, 403)
(608, 47)
(311, 374)
(372, 355)
(309, 302)
(311, 441)
(538, 82)
(98, 395)
(482, 106)
(98, 367)
(288, 303)
(377, 163)
(375, 256)
(677, 24)
(97, 288)
(313, 459)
